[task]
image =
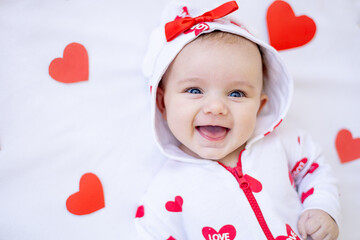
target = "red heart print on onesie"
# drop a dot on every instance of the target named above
(175, 206)
(72, 67)
(312, 169)
(299, 166)
(348, 148)
(227, 232)
(140, 212)
(198, 28)
(305, 195)
(184, 13)
(89, 198)
(291, 235)
(287, 30)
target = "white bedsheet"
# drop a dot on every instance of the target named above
(53, 133)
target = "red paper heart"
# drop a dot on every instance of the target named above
(291, 235)
(348, 148)
(227, 232)
(175, 206)
(287, 30)
(90, 197)
(255, 185)
(73, 67)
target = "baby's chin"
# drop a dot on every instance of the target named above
(212, 156)
(206, 154)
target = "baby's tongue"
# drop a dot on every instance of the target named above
(213, 132)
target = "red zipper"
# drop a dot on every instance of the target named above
(244, 185)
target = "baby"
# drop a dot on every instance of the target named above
(218, 96)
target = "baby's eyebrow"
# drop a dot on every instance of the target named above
(196, 80)
(244, 83)
(189, 80)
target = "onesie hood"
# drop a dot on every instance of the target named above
(164, 47)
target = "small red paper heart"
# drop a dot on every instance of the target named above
(255, 185)
(287, 30)
(291, 235)
(90, 197)
(348, 148)
(73, 67)
(175, 206)
(227, 232)
(305, 195)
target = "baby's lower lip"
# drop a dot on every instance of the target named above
(213, 133)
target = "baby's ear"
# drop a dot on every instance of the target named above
(160, 102)
(263, 100)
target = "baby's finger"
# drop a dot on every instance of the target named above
(328, 237)
(320, 234)
(331, 236)
(312, 226)
(301, 225)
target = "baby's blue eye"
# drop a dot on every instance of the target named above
(193, 91)
(237, 94)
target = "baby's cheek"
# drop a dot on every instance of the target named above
(179, 125)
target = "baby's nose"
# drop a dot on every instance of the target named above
(215, 106)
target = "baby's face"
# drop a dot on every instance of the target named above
(211, 95)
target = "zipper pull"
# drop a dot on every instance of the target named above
(240, 178)
(238, 171)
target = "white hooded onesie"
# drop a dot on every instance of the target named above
(279, 174)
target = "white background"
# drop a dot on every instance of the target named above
(52, 133)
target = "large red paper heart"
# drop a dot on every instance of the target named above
(227, 232)
(287, 30)
(348, 148)
(291, 235)
(73, 67)
(90, 197)
(175, 206)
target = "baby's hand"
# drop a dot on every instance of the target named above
(317, 224)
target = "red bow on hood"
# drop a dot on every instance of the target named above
(178, 26)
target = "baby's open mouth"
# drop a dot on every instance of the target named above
(213, 133)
